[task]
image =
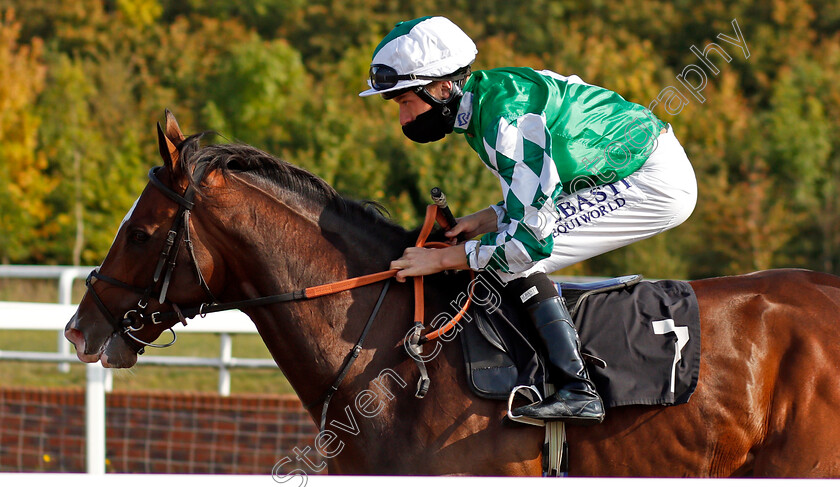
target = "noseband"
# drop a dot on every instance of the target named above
(135, 319)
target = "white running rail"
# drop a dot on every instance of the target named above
(54, 317)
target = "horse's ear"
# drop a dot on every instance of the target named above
(167, 149)
(173, 131)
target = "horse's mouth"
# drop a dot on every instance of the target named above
(112, 353)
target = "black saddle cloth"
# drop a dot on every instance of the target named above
(648, 333)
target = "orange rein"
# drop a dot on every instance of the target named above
(432, 215)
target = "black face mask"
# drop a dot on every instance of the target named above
(429, 126)
(434, 124)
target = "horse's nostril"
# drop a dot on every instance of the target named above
(74, 336)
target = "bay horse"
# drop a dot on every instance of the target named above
(766, 403)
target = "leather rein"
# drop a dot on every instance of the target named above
(136, 319)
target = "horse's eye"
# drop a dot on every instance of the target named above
(138, 236)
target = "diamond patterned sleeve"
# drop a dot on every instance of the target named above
(521, 151)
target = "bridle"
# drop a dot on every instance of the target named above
(136, 319)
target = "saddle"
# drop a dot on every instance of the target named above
(641, 341)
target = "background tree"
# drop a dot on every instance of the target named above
(85, 82)
(23, 212)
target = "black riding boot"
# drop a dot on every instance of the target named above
(576, 401)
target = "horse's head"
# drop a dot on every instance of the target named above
(152, 264)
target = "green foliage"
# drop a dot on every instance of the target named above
(85, 81)
(141, 13)
(23, 214)
(257, 94)
(65, 110)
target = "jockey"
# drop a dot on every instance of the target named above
(582, 171)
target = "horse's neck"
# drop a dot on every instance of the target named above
(309, 339)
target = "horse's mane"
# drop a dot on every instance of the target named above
(242, 158)
(238, 158)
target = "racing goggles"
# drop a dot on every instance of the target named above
(383, 77)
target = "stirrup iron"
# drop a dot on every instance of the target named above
(533, 394)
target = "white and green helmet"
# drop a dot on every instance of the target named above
(417, 52)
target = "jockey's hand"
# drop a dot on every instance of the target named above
(418, 261)
(473, 225)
